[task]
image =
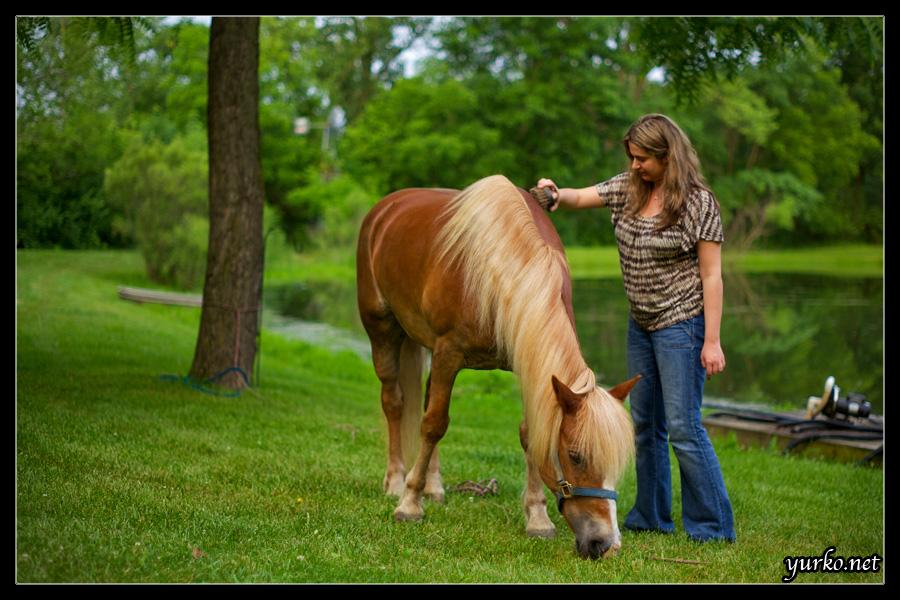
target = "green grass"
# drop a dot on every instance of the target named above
(859, 260)
(121, 475)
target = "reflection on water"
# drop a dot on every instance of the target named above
(783, 335)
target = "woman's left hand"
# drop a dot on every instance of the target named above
(712, 358)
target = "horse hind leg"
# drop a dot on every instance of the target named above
(400, 368)
(445, 366)
(392, 406)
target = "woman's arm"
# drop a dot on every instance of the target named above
(571, 198)
(710, 255)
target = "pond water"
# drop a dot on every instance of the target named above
(783, 335)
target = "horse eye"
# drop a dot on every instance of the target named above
(575, 457)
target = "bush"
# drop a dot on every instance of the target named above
(339, 206)
(59, 180)
(162, 191)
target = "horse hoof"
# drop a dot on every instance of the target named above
(404, 517)
(547, 534)
(435, 497)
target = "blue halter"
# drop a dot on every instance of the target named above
(566, 490)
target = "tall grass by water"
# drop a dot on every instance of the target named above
(126, 476)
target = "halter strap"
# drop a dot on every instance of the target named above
(566, 490)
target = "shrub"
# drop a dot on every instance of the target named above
(162, 191)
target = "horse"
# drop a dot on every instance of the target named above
(480, 279)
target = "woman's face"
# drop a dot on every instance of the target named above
(651, 168)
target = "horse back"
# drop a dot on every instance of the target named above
(398, 279)
(401, 280)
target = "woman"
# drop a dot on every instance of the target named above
(669, 234)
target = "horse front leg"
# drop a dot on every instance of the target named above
(434, 425)
(537, 523)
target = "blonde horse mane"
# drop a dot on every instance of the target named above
(515, 280)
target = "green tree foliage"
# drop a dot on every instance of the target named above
(786, 114)
(168, 90)
(356, 57)
(423, 136)
(822, 138)
(526, 97)
(559, 90)
(308, 67)
(342, 204)
(67, 100)
(794, 146)
(289, 88)
(161, 191)
(696, 51)
(116, 34)
(781, 138)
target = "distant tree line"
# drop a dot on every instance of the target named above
(786, 115)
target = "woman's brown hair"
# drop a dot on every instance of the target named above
(660, 137)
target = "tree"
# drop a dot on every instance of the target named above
(355, 57)
(694, 51)
(233, 289)
(69, 83)
(436, 136)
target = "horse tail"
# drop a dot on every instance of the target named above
(412, 366)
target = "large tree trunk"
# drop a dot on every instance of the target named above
(233, 289)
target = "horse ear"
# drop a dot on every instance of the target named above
(569, 400)
(621, 391)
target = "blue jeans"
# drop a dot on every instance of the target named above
(665, 407)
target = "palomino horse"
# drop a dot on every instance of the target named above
(480, 278)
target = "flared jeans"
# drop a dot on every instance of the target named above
(665, 408)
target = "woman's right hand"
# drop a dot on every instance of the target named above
(554, 192)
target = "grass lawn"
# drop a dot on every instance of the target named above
(853, 260)
(125, 476)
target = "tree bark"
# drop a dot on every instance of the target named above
(232, 290)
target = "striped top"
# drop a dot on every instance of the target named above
(660, 269)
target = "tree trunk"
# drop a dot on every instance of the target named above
(233, 288)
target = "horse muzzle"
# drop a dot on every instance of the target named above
(597, 546)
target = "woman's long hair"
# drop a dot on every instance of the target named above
(660, 137)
